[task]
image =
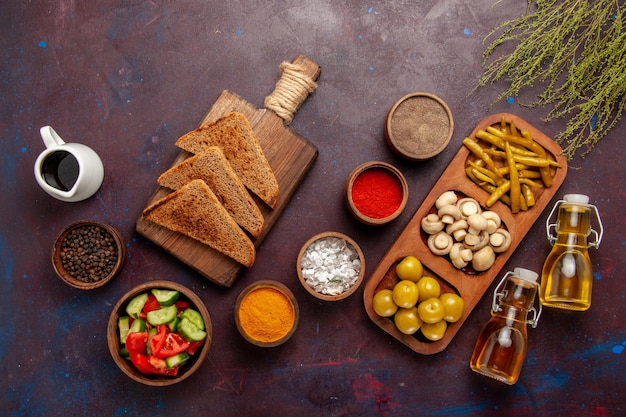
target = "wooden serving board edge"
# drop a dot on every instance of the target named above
(410, 242)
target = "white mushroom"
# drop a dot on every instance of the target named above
(449, 214)
(440, 243)
(446, 199)
(458, 229)
(476, 242)
(460, 256)
(500, 240)
(477, 223)
(483, 259)
(468, 206)
(432, 224)
(493, 220)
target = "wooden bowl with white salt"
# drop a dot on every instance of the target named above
(330, 266)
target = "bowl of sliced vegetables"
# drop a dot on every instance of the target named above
(159, 333)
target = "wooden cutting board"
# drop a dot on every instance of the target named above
(290, 156)
(412, 241)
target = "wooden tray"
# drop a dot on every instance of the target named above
(411, 242)
(290, 156)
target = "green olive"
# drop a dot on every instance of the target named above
(383, 303)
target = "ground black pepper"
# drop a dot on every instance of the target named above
(89, 253)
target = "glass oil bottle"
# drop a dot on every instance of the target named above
(502, 344)
(567, 275)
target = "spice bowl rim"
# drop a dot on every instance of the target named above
(349, 291)
(126, 366)
(283, 289)
(75, 282)
(376, 165)
(416, 156)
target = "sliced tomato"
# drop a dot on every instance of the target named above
(174, 344)
(141, 363)
(194, 346)
(136, 342)
(181, 305)
(149, 365)
(158, 340)
(160, 367)
(151, 305)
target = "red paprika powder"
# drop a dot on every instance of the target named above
(377, 193)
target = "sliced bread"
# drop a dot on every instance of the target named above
(213, 168)
(195, 211)
(233, 134)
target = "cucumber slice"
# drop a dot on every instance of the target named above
(123, 324)
(124, 353)
(162, 316)
(189, 331)
(165, 297)
(173, 324)
(177, 360)
(135, 305)
(138, 326)
(194, 317)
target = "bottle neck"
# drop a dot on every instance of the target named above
(574, 219)
(571, 239)
(517, 298)
(513, 316)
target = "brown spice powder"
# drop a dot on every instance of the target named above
(419, 126)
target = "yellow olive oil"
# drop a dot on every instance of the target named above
(502, 343)
(500, 352)
(567, 275)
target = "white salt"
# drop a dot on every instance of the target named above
(330, 265)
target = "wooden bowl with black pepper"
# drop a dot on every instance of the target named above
(330, 266)
(88, 254)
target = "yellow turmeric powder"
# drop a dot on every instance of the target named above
(266, 314)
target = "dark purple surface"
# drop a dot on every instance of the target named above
(128, 78)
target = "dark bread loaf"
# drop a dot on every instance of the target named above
(195, 211)
(233, 134)
(213, 168)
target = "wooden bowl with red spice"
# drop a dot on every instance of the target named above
(266, 313)
(376, 193)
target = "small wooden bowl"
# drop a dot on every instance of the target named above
(327, 297)
(419, 126)
(284, 291)
(126, 365)
(75, 281)
(375, 165)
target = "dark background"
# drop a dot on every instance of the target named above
(129, 77)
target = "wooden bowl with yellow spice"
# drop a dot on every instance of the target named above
(419, 126)
(266, 313)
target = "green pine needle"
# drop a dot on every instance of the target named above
(576, 51)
